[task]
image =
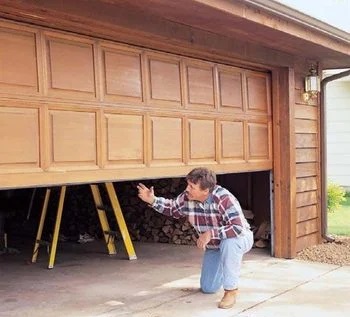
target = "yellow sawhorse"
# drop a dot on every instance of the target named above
(109, 235)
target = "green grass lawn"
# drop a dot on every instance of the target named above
(339, 221)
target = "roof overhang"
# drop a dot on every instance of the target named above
(264, 24)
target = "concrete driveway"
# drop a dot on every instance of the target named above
(163, 282)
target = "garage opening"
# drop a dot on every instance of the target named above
(21, 209)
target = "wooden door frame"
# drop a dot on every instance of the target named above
(284, 169)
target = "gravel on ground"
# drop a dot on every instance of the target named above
(336, 252)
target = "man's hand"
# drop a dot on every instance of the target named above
(204, 239)
(146, 194)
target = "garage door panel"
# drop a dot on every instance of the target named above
(232, 140)
(202, 140)
(258, 141)
(257, 93)
(230, 90)
(107, 110)
(71, 70)
(164, 81)
(18, 61)
(167, 140)
(73, 139)
(124, 139)
(200, 86)
(122, 74)
(19, 144)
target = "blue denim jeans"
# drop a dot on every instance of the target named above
(221, 267)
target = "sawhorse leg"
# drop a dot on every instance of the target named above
(41, 226)
(57, 228)
(109, 239)
(121, 222)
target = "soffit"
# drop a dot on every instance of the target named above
(240, 20)
(245, 21)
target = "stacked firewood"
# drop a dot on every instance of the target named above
(262, 231)
(145, 224)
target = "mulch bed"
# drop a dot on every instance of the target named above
(336, 252)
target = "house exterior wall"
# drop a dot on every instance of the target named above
(308, 168)
(289, 123)
(338, 132)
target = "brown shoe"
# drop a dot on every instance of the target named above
(229, 299)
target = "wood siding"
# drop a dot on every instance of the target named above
(308, 171)
(78, 109)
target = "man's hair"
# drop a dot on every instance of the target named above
(202, 176)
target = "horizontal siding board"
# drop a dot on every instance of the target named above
(306, 213)
(307, 241)
(306, 169)
(306, 184)
(338, 127)
(338, 132)
(338, 149)
(305, 112)
(339, 115)
(305, 126)
(338, 137)
(307, 227)
(305, 155)
(306, 199)
(306, 140)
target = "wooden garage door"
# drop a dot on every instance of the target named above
(77, 109)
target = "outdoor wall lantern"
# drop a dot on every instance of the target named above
(312, 85)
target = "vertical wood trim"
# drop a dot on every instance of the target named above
(44, 61)
(216, 88)
(284, 216)
(321, 177)
(270, 137)
(245, 123)
(186, 141)
(40, 62)
(42, 138)
(45, 129)
(217, 138)
(145, 79)
(219, 158)
(182, 83)
(98, 64)
(185, 87)
(245, 141)
(100, 148)
(244, 92)
(104, 144)
(147, 141)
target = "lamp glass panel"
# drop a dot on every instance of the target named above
(312, 83)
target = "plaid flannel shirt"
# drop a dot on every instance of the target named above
(221, 213)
